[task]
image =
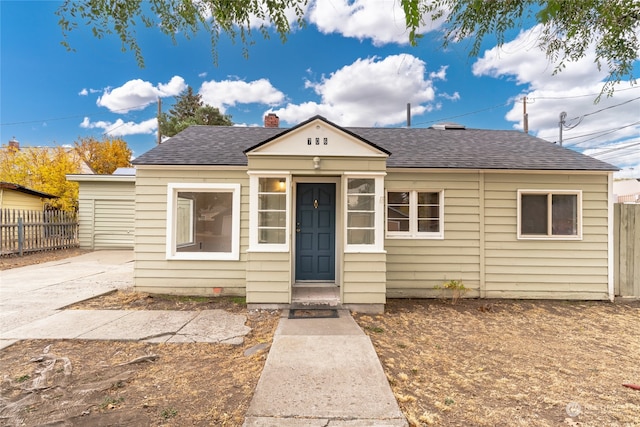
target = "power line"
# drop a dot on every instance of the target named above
(603, 109)
(611, 150)
(534, 98)
(135, 107)
(464, 114)
(598, 133)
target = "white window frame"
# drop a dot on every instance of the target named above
(379, 216)
(172, 202)
(549, 236)
(413, 232)
(254, 241)
(191, 226)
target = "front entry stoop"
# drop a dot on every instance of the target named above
(315, 296)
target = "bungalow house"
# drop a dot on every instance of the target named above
(372, 213)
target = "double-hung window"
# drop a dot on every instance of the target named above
(549, 214)
(269, 212)
(203, 221)
(364, 213)
(415, 214)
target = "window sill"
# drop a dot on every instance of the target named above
(564, 238)
(415, 237)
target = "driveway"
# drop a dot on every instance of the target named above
(34, 292)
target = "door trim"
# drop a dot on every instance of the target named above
(338, 223)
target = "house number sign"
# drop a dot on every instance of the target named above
(310, 141)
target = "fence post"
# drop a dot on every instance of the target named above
(20, 235)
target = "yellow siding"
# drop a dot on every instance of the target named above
(544, 268)
(416, 266)
(268, 277)
(364, 280)
(153, 272)
(12, 199)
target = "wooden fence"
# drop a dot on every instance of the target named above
(30, 231)
(626, 241)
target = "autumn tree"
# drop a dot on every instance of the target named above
(190, 110)
(569, 28)
(104, 156)
(43, 169)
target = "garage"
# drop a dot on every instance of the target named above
(106, 206)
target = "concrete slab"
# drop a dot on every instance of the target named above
(16, 317)
(323, 376)
(140, 325)
(215, 326)
(343, 325)
(319, 422)
(64, 324)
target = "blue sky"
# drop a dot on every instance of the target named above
(351, 64)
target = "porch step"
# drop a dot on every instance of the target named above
(315, 297)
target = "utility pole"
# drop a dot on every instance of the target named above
(159, 113)
(525, 116)
(563, 116)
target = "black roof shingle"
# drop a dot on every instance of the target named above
(409, 147)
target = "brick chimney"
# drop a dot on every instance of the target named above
(271, 120)
(14, 144)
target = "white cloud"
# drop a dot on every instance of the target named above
(83, 92)
(202, 75)
(368, 92)
(122, 128)
(381, 21)
(523, 60)
(137, 94)
(228, 93)
(589, 127)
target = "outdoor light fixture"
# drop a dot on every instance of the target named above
(316, 162)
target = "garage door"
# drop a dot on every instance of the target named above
(113, 224)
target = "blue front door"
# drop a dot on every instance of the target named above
(315, 231)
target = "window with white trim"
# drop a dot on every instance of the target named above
(364, 215)
(415, 214)
(269, 213)
(203, 221)
(549, 214)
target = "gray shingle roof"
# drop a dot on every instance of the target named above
(409, 148)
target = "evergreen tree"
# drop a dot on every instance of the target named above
(189, 110)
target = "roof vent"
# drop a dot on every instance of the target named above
(448, 126)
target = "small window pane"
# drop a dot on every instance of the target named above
(272, 185)
(428, 198)
(429, 226)
(272, 219)
(564, 214)
(361, 186)
(360, 219)
(398, 198)
(360, 202)
(272, 202)
(398, 224)
(360, 237)
(428, 212)
(272, 236)
(534, 214)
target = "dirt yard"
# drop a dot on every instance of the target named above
(475, 363)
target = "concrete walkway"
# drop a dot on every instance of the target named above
(33, 298)
(323, 372)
